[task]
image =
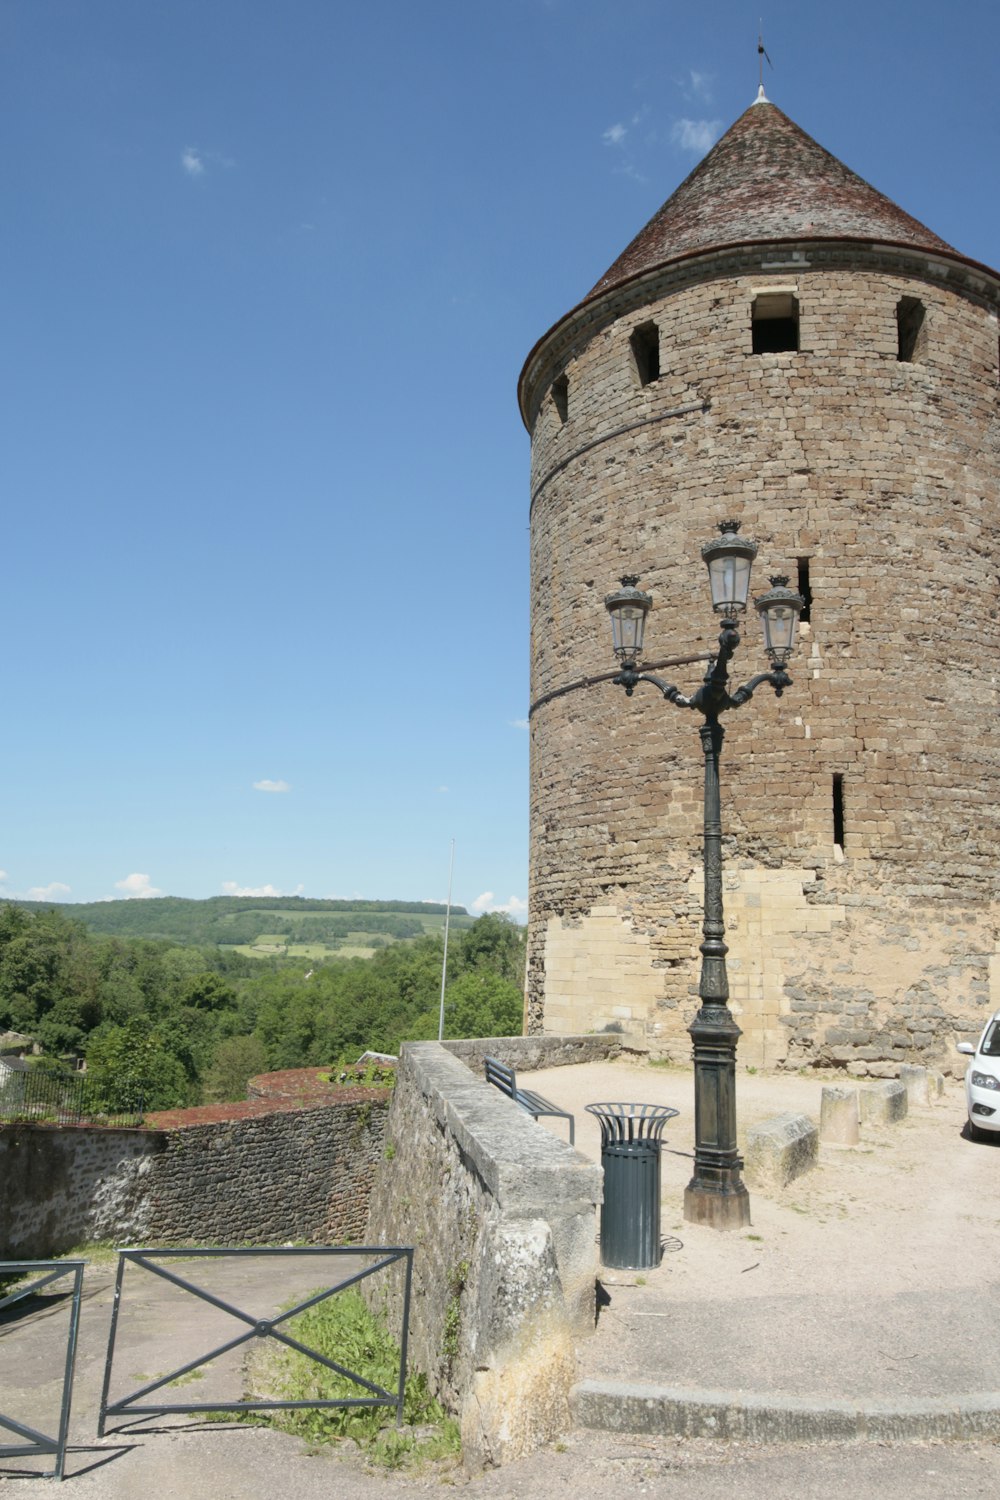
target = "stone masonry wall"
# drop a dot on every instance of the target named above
(292, 1174)
(502, 1215)
(883, 477)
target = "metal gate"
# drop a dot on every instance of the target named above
(36, 1444)
(257, 1328)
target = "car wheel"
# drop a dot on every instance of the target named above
(975, 1134)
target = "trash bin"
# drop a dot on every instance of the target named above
(630, 1155)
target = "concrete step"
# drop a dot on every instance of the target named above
(672, 1411)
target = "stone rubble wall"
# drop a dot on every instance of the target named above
(295, 1174)
(885, 476)
(502, 1215)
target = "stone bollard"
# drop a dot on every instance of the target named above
(838, 1117)
(883, 1103)
(917, 1085)
(935, 1085)
(779, 1150)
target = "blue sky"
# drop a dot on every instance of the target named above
(269, 274)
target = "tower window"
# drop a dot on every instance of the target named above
(775, 321)
(804, 589)
(838, 810)
(645, 343)
(560, 396)
(910, 330)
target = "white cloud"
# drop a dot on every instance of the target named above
(271, 786)
(519, 724)
(197, 162)
(695, 135)
(51, 892)
(137, 887)
(442, 789)
(233, 888)
(515, 907)
(4, 877)
(615, 134)
(701, 85)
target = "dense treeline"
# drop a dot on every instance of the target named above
(216, 920)
(186, 1024)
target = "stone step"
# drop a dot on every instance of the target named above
(672, 1411)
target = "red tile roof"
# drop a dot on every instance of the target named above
(765, 180)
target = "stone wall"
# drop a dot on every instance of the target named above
(289, 1174)
(502, 1215)
(881, 476)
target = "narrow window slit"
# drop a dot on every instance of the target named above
(804, 589)
(910, 330)
(560, 396)
(838, 810)
(645, 343)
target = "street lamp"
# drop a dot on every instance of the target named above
(716, 1194)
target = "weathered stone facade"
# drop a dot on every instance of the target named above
(863, 941)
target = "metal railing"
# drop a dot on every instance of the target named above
(258, 1328)
(33, 1443)
(38, 1098)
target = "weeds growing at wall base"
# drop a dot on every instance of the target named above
(344, 1329)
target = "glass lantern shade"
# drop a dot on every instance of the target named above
(779, 611)
(729, 558)
(628, 608)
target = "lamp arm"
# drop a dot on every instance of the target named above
(628, 678)
(779, 680)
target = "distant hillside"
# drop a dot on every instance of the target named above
(264, 924)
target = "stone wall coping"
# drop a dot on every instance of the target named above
(526, 1168)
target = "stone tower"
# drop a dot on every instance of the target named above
(782, 345)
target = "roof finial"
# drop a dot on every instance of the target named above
(761, 54)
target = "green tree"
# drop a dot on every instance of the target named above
(236, 1061)
(496, 942)
(128, 1065)
(481, 1003)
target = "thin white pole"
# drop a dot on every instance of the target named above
(444, 961)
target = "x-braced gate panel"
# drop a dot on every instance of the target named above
(257, 1328)
(35, 1444)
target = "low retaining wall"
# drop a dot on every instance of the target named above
(502, 1215)
(523, 1053)
(269, 1175)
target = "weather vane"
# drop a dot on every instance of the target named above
(762, 53)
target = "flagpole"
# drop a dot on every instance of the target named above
(444, 961)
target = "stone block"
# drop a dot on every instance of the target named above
(915, 1081)
(779, 1150)
(838, 1117)
(883, 1103)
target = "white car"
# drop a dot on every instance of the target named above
(982, 1080)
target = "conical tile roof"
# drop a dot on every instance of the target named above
(765, 180)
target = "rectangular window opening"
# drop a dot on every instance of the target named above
(645, 344)
(838, 810)
(560, 396)
(909, 330)
(775, 323)
(804, 589)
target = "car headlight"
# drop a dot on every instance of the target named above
(985, 1081)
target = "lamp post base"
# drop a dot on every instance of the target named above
(717, 1209)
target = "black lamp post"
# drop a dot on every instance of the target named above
(716, 1194)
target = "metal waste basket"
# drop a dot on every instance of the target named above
(630, 1155)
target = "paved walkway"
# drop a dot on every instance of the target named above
(868, 1282)
(862, 1288)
